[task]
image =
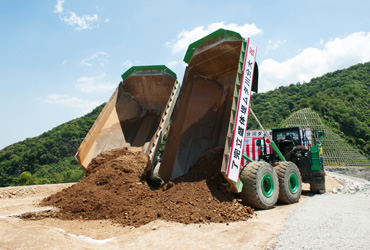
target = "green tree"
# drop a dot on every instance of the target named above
(25, 178)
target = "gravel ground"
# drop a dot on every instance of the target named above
(359, 172)
(338, 219)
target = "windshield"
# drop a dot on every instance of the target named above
(287, 134)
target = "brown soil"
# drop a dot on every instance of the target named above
(114, 189)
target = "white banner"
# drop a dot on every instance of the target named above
(242, 112)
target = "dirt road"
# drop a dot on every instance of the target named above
(258, 233)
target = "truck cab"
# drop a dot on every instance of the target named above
(288, 139)
(294, 145)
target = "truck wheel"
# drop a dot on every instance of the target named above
(260, 185)
(290, 182)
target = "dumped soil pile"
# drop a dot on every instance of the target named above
(114, 189)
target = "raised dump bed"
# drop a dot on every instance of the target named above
(205, 110)
(136, 114)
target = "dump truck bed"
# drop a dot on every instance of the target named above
(135, 115)
(205, 109)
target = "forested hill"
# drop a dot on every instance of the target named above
(341, 98)
(48, 158)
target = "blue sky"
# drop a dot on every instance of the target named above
(60, 59)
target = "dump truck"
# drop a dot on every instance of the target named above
(208, 114)
(136, 115)
(211, 110)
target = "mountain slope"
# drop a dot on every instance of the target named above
(341, 98)
(47, 158)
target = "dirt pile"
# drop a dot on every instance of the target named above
(114, 189)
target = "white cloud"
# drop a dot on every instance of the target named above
(172, 64)
(96, 58)
(107, 20)
(188, 36)
(127, 64)
(79, 105)
(337, 54)
(81, 22)
(59, 6)
(273, 45)
(95, 84)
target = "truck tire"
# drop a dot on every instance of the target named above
(260, 185)
(290, 182)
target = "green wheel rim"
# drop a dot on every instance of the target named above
(267, 185)
(293, 183)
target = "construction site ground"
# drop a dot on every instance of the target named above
(114, 208)
(258, 232)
